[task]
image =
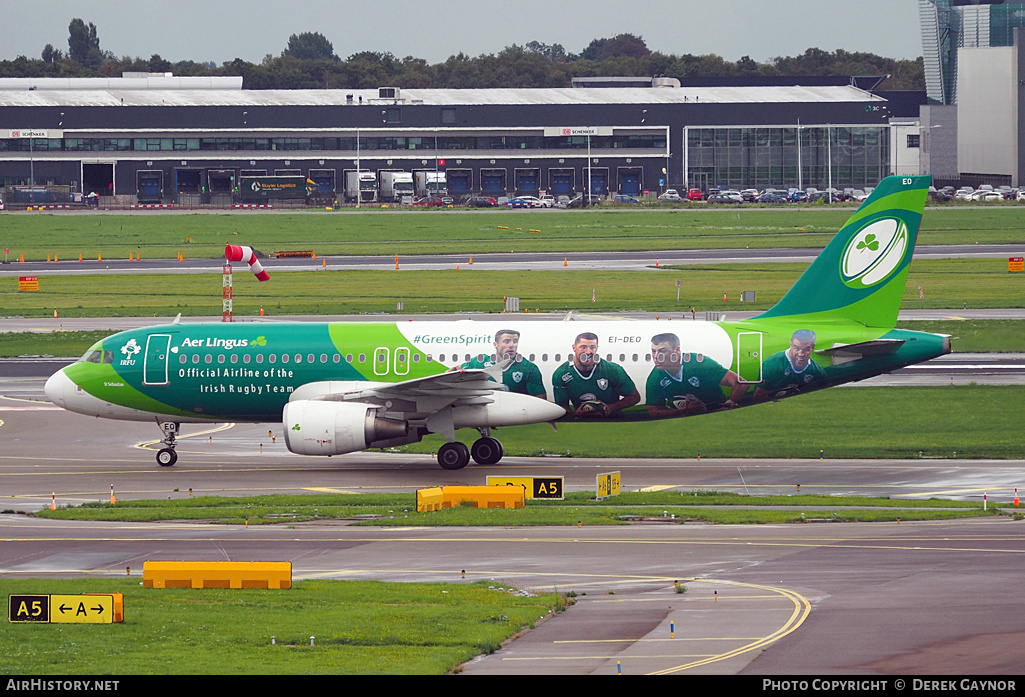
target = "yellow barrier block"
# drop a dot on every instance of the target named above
(429, 500)
(217, 574)
(484, 496)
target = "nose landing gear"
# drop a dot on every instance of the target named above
(166, 457)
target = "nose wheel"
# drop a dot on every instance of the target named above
(166, 457)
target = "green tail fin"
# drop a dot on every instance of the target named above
(861, 273)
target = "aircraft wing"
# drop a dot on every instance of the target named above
(440, 403)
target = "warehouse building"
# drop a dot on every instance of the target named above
(194, 141)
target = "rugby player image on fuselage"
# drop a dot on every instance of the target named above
(520, 375)
(590, 387)
(786, 372)
(683, 384)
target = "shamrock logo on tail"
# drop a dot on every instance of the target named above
(870, 243)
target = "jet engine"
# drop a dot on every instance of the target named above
(314, 427)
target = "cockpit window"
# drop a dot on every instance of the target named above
(93, 357)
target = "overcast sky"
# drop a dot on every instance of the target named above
(208, 30)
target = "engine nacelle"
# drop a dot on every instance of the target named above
(314, 427)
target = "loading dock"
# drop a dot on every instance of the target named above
(630, 180)
(492, 182)
(528, 180)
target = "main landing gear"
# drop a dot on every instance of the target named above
(167, 456)
(485, 451)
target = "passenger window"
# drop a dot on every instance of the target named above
(246, 358)
(259, 358)
(284, 358)
(348, 358)
(183, 358)
(271, 358)
(234, 358)
(220, 358)
(362, 358)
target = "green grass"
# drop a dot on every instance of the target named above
(359, 628)
(948, 283)
(158, 235)
(577, 508)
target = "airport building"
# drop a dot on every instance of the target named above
(157, 138)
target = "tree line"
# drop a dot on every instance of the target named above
(309, 62)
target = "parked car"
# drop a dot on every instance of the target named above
(939, 196)
(623, 198)
(749, 195)
(988, 196)
(734, 195)
(670, 196)
(579, 202)
(695, 195)
(524, 202)
(481, 202)
(723, 197)
(429, 201)
(772, 197)
(825, 197)
(547, 201)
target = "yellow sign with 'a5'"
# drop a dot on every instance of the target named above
(98, 608)
(534, 487)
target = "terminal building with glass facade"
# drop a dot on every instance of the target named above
(192, 140)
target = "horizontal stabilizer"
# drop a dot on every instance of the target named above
(844, 353)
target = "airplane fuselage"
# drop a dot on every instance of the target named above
(248, 372)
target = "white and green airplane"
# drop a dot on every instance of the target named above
(340, 387)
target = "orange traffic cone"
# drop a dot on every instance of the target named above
(1015, 496)
(99, 257)
(112, 499)
(396, 262)
(471, 260)
(565, 261)
(53, 501)
(80, 256)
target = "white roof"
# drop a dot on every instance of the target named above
(103, 95)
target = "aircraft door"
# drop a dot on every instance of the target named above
(749, 357)
(154, 366)
(381, 361)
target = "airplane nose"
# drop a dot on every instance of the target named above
(57, 387)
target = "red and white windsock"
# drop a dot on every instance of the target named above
(235, 252)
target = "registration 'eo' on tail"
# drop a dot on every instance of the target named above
(860, 275)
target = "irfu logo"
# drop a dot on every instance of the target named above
(874, 253)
